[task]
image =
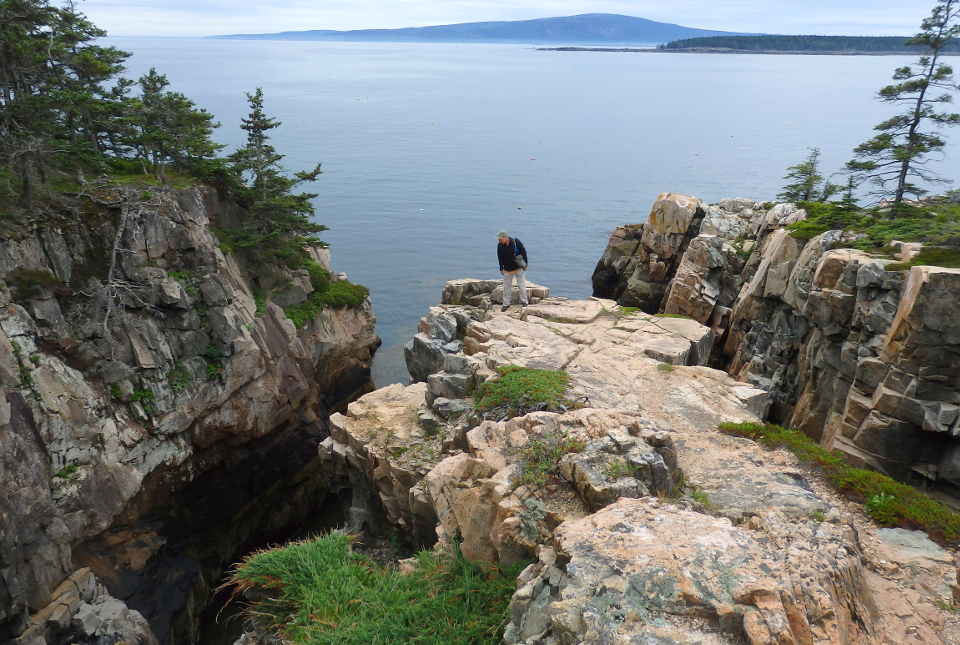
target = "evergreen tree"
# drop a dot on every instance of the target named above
(807, 184)
(167, 128)
(895, 159)
(279, 227)
(53, 92)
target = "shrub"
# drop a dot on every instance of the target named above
(823, 217)
(519, 390)
(886, 500)
(665, 367)
(320, 593)
(338, 295)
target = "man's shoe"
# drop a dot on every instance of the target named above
(504, 307)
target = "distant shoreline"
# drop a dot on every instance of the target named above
(721, 50)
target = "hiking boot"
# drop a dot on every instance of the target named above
(504, 307)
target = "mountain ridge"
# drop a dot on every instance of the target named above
(589, 27)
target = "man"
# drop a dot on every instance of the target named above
(509, 253)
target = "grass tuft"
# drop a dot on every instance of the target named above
(520, 390)
(886, 500)
(318, 592)
(541, 456)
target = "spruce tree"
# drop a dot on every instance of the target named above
(807, 184)
(895, 160)
(167, 128)
(279, 227)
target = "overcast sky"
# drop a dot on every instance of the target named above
(203, 17)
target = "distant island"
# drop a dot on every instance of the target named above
(800, 45)
(584, 28)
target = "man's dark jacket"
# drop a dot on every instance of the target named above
(506, 254)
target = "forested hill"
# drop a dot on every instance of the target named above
(812, 44)
(584, 28)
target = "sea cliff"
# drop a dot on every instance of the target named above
(159, 414)
(855, 351)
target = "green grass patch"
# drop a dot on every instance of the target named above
(147, 400)
(321, 593)
(701, 498)
(628, 311)
(680, 316)
(618, 469)
(930, 256)
(521, 389)
(541, 456)
(886, 500)
(666, 368)
(68, 472)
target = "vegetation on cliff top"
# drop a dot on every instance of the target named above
(521, 390)
(71, 125)
(885, 500)
(318, 592)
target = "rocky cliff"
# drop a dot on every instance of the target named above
(653, 527)
(863, 358)
(158, 414)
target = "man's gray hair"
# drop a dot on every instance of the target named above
(502, 234)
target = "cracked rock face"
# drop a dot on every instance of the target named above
(107, 419)
(864, 359)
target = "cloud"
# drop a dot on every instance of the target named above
(203, 17)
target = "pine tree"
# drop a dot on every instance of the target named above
(53, 91)
(895, 160)
(279, 227)
(807, 184)
(167, 128)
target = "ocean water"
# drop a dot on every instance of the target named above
(430, 149)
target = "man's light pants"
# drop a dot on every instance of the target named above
(508, 286)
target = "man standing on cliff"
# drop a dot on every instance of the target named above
(513, 263)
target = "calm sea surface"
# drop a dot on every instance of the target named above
(430, 149)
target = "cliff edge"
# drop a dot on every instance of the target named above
(157, 413)
(855, 351)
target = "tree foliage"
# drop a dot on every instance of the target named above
(65, 110)
(895, 160)
(806, 183)
(278, 226)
